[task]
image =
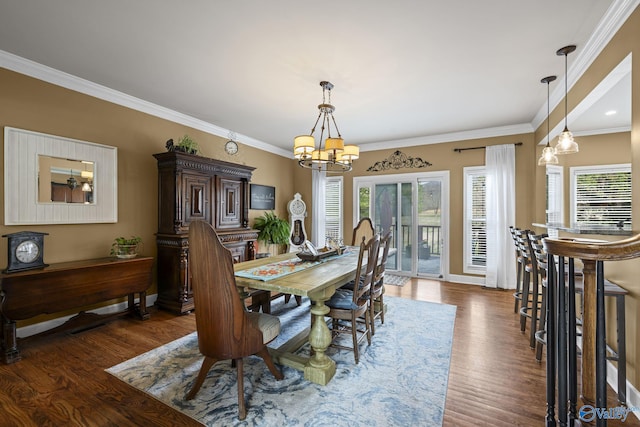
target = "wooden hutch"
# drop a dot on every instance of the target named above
(192, 188)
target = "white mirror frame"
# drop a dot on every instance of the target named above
(21, 206)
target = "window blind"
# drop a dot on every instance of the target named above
(475, 220)
(602, 195)
(333, 208)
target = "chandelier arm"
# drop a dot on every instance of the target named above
(336, 125)
(313, 129)
(324, 120)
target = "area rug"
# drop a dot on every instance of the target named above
(401, 379)
(392, 279)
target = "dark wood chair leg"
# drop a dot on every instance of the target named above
(264, 353)
(242, 409)
(207, 363)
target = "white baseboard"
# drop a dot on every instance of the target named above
(466, 280)
(633, 395)
(36, 328)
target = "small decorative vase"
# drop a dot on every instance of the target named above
(126, 251)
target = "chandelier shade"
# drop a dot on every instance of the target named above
(548, 156)
(566, 144)
(330, 155)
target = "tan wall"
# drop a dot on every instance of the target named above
(443, 158)
(31, 104)
(606, 149)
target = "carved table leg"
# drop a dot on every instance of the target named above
(320, 368)
(10, 352)
(142, 306)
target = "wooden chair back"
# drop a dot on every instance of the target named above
(385, 242)
(366, 276)
(221, 319)
(364, 229)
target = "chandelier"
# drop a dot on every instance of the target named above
(334, 156)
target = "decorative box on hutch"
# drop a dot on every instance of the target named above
(192, 188)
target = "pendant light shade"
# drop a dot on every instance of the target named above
(548, 156)
(566, 143)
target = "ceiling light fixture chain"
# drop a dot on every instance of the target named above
(333, 156)
(566, 144)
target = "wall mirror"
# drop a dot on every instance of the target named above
(55, 180)
(65, 180)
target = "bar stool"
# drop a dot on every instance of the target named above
(540, 259)
(527, 303)
(517, 295)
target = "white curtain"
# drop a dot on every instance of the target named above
(318, 204)
(500, 203)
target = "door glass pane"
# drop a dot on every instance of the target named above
(386, 216)
(364, 202)
(429, 226)
(406, 219)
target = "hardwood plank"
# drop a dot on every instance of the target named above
(494, 378)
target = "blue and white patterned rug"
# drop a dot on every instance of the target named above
(401, 379)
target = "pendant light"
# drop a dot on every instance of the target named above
(566, 144)
(548, 156)
(72, 183)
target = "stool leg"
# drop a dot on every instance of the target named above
(534, 313)
(518, 293)
(622, 350)
(524, 303)
(542, 324)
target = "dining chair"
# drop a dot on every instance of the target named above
(364, 229)
(347, 306)
(226, 330)
(376, 305)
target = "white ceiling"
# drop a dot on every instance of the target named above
(405, 72)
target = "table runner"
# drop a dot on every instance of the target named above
(278, 269)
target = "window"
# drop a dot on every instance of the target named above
(333, 208)
(601, 195)
(553, 210)
(475, 220)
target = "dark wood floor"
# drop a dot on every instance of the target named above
(494, 379)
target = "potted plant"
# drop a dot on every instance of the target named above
(272, 230)
(126, 248)
(186, 144)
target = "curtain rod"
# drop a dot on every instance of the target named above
(457, 150)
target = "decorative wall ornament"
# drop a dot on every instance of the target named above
(398, 160)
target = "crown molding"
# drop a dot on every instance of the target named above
(60, 78)
(449, 137)
(613, 19)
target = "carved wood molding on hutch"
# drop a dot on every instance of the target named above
(196, 188)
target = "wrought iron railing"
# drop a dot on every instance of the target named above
(561, 338)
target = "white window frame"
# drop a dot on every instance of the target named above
(581, 170)
(332, 227)
(469, 173)
(554, 207)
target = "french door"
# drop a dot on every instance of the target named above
(416, 208)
